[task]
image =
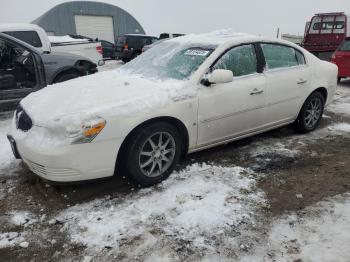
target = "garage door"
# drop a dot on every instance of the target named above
(95, 26)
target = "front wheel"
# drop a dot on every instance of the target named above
(311, 113)
(153, 153)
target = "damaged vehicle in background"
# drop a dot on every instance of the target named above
(141, 119)
(19, 71)
(64, 58)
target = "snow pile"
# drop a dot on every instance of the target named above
(194, 206)
(320, 233)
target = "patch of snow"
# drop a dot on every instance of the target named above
(340, 106)
(196, 205)
(340, 127)
(24, 244)
(274, 148)
(319, 233)
(22, 218)
(10, 239)
(8, 163)
(110, 65)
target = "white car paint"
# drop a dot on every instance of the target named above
(211, 115)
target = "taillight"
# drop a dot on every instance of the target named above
(126, 47)
(99, 49)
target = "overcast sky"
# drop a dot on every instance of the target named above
(193, 16)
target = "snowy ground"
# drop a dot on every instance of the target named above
(254, 200)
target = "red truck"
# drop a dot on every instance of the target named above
(325, 32)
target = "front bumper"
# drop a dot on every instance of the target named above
(68, 163)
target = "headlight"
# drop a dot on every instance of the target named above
(87, 131)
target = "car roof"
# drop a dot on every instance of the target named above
(17, 27)
(227, 36)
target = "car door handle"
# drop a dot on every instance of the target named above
(301, 81)
(256, 91)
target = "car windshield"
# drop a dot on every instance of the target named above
(345, 46)
(170, 59)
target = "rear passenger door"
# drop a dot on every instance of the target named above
(287, 81)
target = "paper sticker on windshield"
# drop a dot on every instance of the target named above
(198, 52)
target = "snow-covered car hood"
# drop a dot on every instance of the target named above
(112, 93)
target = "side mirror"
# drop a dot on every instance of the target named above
(220, 76)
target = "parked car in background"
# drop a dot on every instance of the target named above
(169, 35)
(325, 32)
(130, 46)
(37, 37)
(185, 95)
(108, 49)
(147, 47)
(24, 69)
(341, 58)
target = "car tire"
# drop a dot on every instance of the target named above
(311, 113)
(125, 60)
(339, 79)
(149, 159)
(66, 77)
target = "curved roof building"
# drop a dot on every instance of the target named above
(93, 19)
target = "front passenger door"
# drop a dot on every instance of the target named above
(231, 109)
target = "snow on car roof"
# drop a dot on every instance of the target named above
(216, 37)
(17, 26)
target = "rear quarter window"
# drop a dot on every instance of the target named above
(30, 37)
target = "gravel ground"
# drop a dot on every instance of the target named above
(273, 196)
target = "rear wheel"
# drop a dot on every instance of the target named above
(311, 113)
(339, 79)
(153, 153)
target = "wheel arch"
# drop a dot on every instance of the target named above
(168, 119)
(64, 71)
(323, 91)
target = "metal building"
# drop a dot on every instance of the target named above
(93, 19)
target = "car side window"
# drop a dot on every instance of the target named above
(240, 60)
(281, 56)
(30, 37)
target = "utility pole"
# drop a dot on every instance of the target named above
(278, 32)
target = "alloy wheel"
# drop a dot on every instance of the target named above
(157, 154)
(313, 112)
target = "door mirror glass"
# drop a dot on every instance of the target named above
(220, 76)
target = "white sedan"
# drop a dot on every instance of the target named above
(188, 94)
